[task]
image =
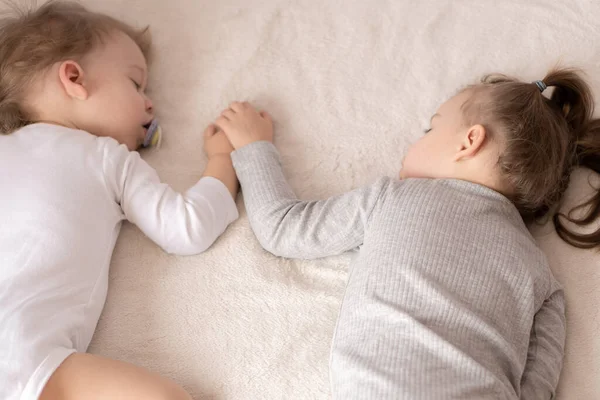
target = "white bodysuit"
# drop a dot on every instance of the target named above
(63, 196)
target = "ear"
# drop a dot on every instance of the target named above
(71, 77)
(471, 143)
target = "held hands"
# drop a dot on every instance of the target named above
(216, 143)
(219, 166)
(243, 124)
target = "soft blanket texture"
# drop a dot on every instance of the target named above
(349, 84)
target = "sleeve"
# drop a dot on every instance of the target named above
(546, 350)
(181, 224)
(289, 227)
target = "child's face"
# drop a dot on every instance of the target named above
(432, 155)
(116, 78)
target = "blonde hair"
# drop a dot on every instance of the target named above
(33, 40)
(546, 138)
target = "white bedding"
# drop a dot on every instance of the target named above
(350, 83)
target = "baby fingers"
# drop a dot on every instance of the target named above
(210, 130)
(237, 106)
(228, 114)
(222, 123)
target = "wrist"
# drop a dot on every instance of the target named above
(220, 166)
(219, 156)
(249, 142)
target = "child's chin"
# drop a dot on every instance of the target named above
(133, 145)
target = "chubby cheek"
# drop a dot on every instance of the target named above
(128, 107)
(118, 117)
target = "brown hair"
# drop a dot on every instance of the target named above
(33, 40)
(544, 139)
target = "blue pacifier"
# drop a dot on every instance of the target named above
(153, 135)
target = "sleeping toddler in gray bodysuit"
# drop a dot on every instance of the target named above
(449, 297)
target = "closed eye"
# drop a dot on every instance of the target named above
(426, 131)
(137, 85)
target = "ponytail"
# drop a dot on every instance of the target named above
(588, 156)
(546, 138)
(572, 99)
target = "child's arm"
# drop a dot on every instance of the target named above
(218, 149)
(284, 225)
(546, 349)
(181, 224)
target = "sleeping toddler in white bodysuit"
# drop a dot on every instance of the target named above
(73, 110)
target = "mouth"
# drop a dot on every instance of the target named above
(146, 126)
(151, 133)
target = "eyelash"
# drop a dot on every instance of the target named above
(137, 85)
(426, 131)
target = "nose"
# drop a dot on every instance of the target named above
(148, 105)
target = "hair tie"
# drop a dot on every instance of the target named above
(541, 85)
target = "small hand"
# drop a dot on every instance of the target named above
(215, 142)
(243, 124)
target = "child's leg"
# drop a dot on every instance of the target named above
(90, 377)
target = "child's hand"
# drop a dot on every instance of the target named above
(244, 125)
(215, 142)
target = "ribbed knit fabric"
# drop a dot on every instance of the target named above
(448, 298)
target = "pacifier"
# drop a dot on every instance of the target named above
(153, 134)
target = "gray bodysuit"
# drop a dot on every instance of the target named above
(448, 298)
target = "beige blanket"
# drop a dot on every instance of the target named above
(350, 83)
